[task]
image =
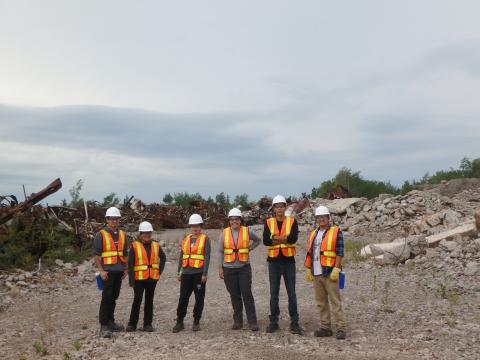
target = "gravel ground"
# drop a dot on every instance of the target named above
(413, 311)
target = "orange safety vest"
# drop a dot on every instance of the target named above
(230, 250)
(193, 256)
(144, 268)
(287, 249)
(327, 248)
(110, 253)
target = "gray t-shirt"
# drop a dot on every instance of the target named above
(254, 242)
(98, 248)
(206, 262)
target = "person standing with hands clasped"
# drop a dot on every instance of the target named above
(280, 234)
(235, 244)
(192, 272)
(324, 263)
(109, 247)
(146, 262)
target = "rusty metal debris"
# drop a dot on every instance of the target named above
(8, 212)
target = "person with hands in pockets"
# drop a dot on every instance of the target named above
(192, 272)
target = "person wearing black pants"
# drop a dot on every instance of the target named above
(146, 262)
(235, 244)
(110, 293)
(109, 248)
(192, 272)
(188, 284)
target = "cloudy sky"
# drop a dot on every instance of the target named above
(264, 97)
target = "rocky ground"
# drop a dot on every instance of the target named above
(426, 306)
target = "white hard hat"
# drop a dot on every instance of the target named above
(322, 210)
(145, 226)
(195, 219)
(235, 213)
(112, 212)
(278, 200)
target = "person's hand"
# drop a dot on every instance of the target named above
(220, 273)
(179, 276)
(204, 279)
(103, 275)
(308, 275)
(335, 274)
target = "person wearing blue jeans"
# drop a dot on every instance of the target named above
(280, 235)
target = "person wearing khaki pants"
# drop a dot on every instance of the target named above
(324, 263)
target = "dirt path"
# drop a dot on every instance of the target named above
(392, 312)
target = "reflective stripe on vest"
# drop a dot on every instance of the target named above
(193, 256)
(327, 249)
(230, 250)
(110, 253)
(145, 268)
(287, 249)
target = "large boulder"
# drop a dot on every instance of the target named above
(468, 229)
(339, 206)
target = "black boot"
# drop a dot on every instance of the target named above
(178, 326)
(272, 327)
(196, 325)
(114, 327)
(322, 332)
(105, 332)
(296, 329)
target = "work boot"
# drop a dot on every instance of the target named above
(296, 329)
(105, 332)
(254, 326)
(114, 327)
(148, 328)
(237, 326)
(130, 328)
(341, 335)
(196, 325)
(178, 326)
(322, 332)
(272, 327)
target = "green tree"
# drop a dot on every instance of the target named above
(168, 199)
(222, 199)
(241, 200)
(74, 192)
(110, 200)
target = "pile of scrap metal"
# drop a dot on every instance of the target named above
(84, 221)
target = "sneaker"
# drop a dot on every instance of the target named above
(196, 325)
(148, 328)
(105, 332)
(178, 327)
(341, 335)
(237, 326)
(296, 329)
(254, 327)
(114, 327)
(322, 332)
(272, 327)
(130, 328)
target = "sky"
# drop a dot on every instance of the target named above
(259, 97)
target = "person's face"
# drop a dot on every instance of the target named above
(279, 209)
(323, 220)
(113, 222)
(146, 236)
(235, 222)
(196, 229)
